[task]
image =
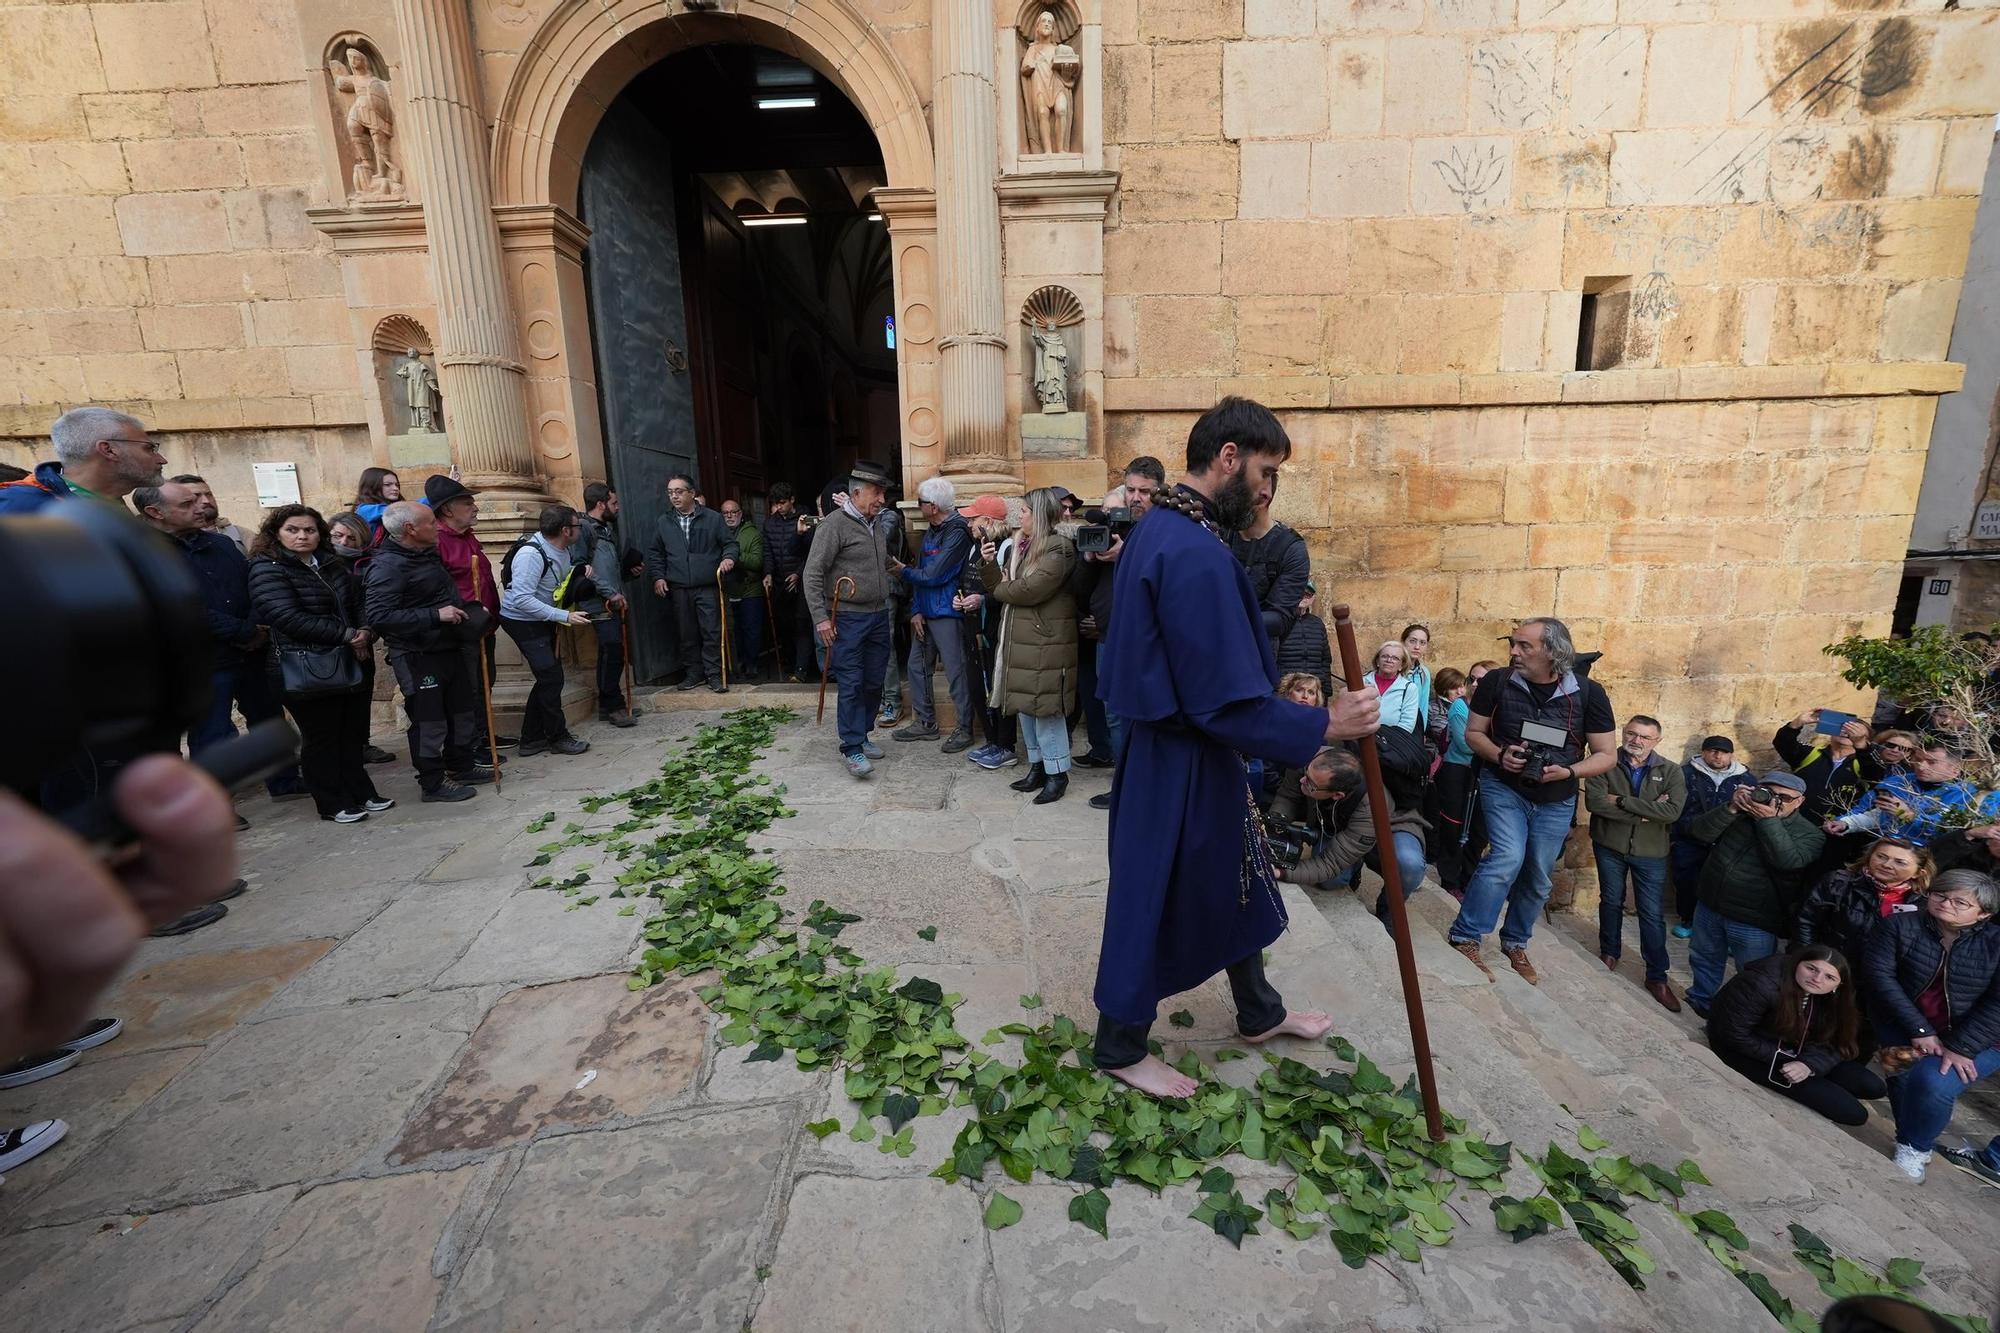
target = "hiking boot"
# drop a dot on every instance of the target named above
(569, 745)
(1664, 993)
(892, 712)
(621, 718)
(956, 742)
(1973, 1162)
(1470, 948)
(1518, 959)
(531, 748)
(375, 754)
(858, 765)
(871, 749)
(193, 921)
(449, 791)
(916, 731)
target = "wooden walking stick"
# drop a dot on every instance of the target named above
(832, 623)
(625, 643)
(722, 608)
(486, 686)
(771, 631)
(1392, 888)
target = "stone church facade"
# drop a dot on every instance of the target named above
(1635, 311)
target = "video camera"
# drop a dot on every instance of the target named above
(1104, 525)
(1289, 842)
(121, 663)
(1544, 745)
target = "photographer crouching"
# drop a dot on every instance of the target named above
(1320, 829)
(1538, 727)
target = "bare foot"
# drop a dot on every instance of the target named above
(1156, 1078)
(1312, 1025)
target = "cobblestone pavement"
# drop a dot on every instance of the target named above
(398, 1088)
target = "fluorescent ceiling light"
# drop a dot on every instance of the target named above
(787, 103)
(775, 220)
(874, 217)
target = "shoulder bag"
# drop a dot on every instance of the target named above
(315, 670)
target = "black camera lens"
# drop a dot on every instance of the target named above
(112, 648)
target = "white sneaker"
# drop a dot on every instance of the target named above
(18, 1145)
(1911, 1162)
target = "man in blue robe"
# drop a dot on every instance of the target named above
(1188, 664)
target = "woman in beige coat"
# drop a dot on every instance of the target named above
(1035, 664)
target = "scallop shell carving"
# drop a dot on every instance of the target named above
(1055, 306)
(399, 333)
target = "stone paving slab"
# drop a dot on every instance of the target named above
(293, 1099)
(129, 1271)
(535, 937)
(97, 1096)
(877, 1254)
(570, 1053)
(896, 894)
(402, 949)
(655, 1227)
(266, 918)
(188, 1000)
(352, 1257)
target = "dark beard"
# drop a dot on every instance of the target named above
(1235, 504)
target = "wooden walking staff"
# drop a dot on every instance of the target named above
(833, 623)
(722, 608)
(625, 642)
(486, 684)
(1392, 889)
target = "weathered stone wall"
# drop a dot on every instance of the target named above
(1382, 215)
(156, 164)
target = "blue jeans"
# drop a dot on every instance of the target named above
(746, 637)
(1716, 940)
(1649, 882)
(1409, 861)
(1114, 725)
(860, 657)
(1923, 1095)
(1524, 838)
(245, 687)
(1048, 741)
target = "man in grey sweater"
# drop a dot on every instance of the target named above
(533, 570)
(849, 556)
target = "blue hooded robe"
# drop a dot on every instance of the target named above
(1189, 666)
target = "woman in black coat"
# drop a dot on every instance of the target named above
(1789, 1022)
(302, 590)
(1844, 908)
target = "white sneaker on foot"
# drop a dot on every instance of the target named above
(1911, 1162)
(18, 1145)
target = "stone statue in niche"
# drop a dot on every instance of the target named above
(1049, 71)
(371, 127)
(1051, 369)
(420, 392)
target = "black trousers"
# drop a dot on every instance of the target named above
(439, 696)
(1259, 1008)
(610, 663)
(1459, 835)
(1837, 1094)
(333, 734)
(791, 631)
(698, 631)
(1000, 726)
(542, 717)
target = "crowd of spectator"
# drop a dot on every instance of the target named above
(1852, 887)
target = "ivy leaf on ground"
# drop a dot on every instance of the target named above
(900, 1110)
(1228, 1053)
(1001, 1212)
(927, 934)
(1031, 1001)
(1090, 1208)
(922, 990)
(1905, 1273)
(1181, 1018)
(1589, 1140)
(819, 1129)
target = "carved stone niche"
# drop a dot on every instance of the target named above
(1053, 422)
(364, 121)
(1050, 72)
(406, 379)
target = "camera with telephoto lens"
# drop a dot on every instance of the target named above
(1289, 842)
(122, 663)
(1105, 525)
(1544, 745)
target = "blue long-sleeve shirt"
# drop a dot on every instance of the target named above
(1930, 806)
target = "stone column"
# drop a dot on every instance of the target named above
(972, 349)
(479, 362)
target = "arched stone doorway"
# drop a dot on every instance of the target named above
(569, 73)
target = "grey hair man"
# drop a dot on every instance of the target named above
(414, 605)
(100, 455)
(1539, 728)
(936, 626)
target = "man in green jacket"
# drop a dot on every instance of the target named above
(744, 587)
(1632, 807)
(1760, 846)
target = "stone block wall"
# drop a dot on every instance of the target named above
(156, 164)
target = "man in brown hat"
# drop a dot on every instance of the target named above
(849, 545)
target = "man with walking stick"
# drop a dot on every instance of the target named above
(1188, 664)
(848, 551)
(597, 547)
(692, 547)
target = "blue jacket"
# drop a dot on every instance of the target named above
(31, 493)
(1929, 805)
(224, 576)
(934, 578)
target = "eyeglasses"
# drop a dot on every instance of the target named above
(1960, 904)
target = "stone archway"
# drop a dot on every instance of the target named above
(580, 59)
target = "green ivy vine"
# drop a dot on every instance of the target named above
(1365, 1173)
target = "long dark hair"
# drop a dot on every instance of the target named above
(1835, 1018)
(266, 541)
(369, 491)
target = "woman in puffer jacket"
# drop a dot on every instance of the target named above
(1789, 1022)
(1034, 675)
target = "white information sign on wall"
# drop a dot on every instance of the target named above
(1986, 522)
(277, 484)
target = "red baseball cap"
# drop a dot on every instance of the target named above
(986, 506)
